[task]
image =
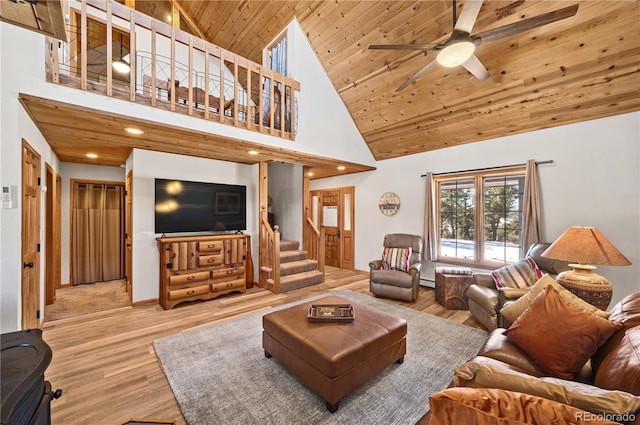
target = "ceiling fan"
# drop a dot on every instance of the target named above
(460, 47)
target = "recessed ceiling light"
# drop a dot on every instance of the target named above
(133, 130)
(92, 155)
(341, 167)
(253, 152)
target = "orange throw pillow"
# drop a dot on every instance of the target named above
(559, 336)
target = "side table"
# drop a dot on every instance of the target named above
(451, 287)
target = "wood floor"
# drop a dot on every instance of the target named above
(105, 364)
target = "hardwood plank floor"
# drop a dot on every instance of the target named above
(105, 364)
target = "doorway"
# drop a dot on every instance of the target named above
(333, 210)
(97, 231)
(30, 236)
(53, 228)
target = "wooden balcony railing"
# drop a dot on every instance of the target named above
(170, 69)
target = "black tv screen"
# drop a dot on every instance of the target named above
(184, 206)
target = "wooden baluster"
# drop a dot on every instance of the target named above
(110, 50)
(190, 107)
(153, 64)
(206, 81)
(172, 81)
(132, 56)
(222, 101)
(83, 45)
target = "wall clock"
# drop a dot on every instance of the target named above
(389, 203)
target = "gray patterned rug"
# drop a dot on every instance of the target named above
(219, 373)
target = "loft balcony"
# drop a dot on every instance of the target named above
(169, 69)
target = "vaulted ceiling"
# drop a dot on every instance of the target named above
(580, 68)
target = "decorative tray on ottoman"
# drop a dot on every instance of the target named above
(331, 313)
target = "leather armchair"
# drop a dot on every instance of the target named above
(486, 300)
(394, 283)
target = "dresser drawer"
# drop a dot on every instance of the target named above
(228, 285)
(210, 246)
(209, 260)
(188, 292)
(183, 279)
(226, 272)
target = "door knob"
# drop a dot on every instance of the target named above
(28, 265)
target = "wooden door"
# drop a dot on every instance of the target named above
(53, 230)
(128, 231)
(30, 236)
(330, 207)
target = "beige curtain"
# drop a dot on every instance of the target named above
(430, 251)
(532, 218)
(98, 226)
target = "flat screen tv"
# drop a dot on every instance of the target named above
(184, 206)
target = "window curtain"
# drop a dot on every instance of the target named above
(532, 218)
(430, 251)
(98, 233)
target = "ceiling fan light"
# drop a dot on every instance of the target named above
(456, 54)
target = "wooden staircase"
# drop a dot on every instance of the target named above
(296, 270)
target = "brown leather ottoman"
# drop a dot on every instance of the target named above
(333, 358)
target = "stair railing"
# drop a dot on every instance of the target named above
(269, 255)
(314, 244)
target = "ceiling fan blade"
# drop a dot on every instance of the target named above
(525, 25)
(474, 66)
(468, 15)
(417, 75)
(415, 46)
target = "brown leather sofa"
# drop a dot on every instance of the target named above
(485, 299)
(608, 384)
(394, 283)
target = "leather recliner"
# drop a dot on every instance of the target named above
(486, 300)
(394, 283)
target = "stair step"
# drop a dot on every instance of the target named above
(294, 267)
(298, 280)
(289, 256)
(286, 245)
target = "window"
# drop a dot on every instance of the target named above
(480, 217)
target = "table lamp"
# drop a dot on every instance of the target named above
(585, 246)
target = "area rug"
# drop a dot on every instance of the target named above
(219, 373)
(87, 298)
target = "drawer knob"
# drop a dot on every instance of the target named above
(191, 292)
(210, 245)
(210, 260)
(229, 271)
(191, 278)
(229, 285)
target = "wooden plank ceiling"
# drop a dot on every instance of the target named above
(580, 68)
(73, 131)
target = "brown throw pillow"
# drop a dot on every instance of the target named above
(513, 310)
(559, 336)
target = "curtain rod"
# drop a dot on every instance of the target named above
(549, 161)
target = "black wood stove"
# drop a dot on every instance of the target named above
(26, 396)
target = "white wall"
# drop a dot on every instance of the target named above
(594, 181)
(15, 125)
(70, 171)
(325, 125)
(149, 165)
(285, 189)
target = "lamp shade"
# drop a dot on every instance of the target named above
(585, 245)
